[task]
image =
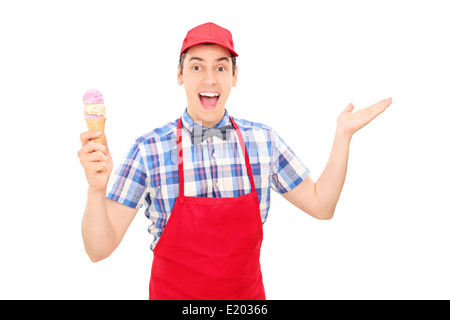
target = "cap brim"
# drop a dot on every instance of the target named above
(208, 41)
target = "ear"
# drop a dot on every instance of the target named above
(179, 76)
(235, 76)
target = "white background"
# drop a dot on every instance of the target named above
(300, 64)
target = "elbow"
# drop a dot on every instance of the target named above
(97, 258)
(98, 251)
(325, 217)
(324, 214)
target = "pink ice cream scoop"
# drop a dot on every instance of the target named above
(93, 96)
(93, 104)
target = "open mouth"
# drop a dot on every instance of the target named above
(209, 99)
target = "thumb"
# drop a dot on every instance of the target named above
(349, 108)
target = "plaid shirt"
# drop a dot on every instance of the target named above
(213, 168)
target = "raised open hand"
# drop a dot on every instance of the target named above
(349, 122)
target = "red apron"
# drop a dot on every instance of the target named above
(210, 247)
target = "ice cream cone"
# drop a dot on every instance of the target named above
(94, 112)
(97, 124)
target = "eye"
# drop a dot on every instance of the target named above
(221, 69)
(196, 68)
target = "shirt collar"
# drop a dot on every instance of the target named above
(189, 124)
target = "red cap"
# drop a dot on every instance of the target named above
(209, 33)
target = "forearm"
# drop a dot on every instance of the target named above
(97, 231)
(330, 183)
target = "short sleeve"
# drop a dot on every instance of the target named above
(130, 180)
(287, 169)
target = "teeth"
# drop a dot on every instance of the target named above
(209, 94)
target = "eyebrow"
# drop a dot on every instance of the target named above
(202, 60)
(222, 59)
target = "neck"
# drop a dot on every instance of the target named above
(205, 123)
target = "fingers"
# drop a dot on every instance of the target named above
(92, 146)
(92, 158)
(96, 156)
(385, 103)
(87, 136)
(98, 166)
(376, 108)
(379, 107)
(93, 151)
(87, 140)
(93, 155)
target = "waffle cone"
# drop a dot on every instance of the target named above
(97, 124)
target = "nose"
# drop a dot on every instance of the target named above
(210, 78)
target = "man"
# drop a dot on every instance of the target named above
(205, 179)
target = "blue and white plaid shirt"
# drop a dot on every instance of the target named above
(212, 168)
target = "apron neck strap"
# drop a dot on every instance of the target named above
(180, 156)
